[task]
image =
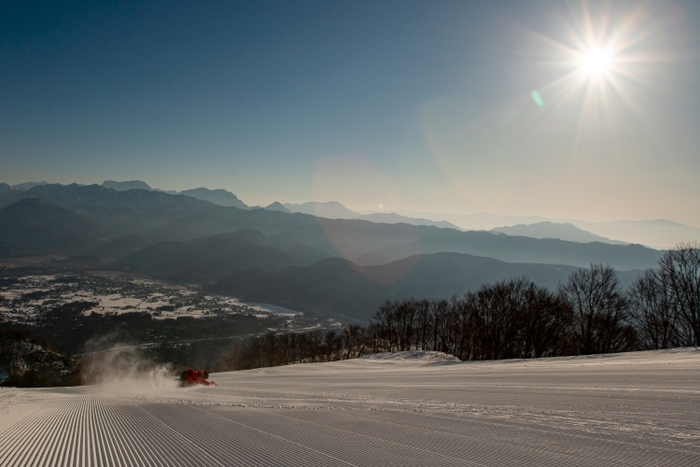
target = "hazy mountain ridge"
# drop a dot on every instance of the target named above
(119, 247)
(124, 212)
(35, 226)
(277, 206)
(219, 196)
(660, 233)
(158, 216)
(127, 185)
(655, 233)
(27, 185)
(329, 210)
(562, 231)
(479, 221)
(393, 218)
(211, 258)
(341, 287)
(370, 243)
(335, 210)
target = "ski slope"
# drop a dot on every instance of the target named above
(413, 409)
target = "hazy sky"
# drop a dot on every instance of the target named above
(465, 107)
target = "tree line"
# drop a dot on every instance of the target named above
(589, 314)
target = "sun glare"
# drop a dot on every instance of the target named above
(600, 63)
(597, 61)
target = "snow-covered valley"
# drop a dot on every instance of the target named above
(625, 410)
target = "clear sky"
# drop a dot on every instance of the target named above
(585, 110)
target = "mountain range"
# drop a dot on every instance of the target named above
(159, 216)
(335, 210)
(293, 259)
(660, 234)
(368, 243)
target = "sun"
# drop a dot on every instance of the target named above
(599, 66)
(597, 62)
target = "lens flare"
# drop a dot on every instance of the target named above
(537, 98)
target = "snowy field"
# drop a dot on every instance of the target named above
(618, 410)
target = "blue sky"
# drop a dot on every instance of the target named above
(379, 105)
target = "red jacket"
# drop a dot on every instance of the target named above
(196, 377)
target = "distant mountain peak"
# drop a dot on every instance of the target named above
(394, 218)
(126, 185)
(277, 206)
(328, 209)
(217, 196)
(27, 185)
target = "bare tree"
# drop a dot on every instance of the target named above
(423, 324)
(599, 310)
(329, 342)
(544, 323)
(681, 267)
(386, 326)
(654, 309)
(271, 349)
(353, 337)
(439, 312)
(461, 313)
(404, 316)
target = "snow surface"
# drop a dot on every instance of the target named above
(414, 355)
(631, 409)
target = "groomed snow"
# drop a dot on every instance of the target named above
(632, 409)
(414, 355)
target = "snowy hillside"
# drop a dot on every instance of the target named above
(419, 409)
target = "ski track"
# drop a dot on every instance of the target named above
(622, 410)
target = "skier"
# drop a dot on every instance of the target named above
(191, 377)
